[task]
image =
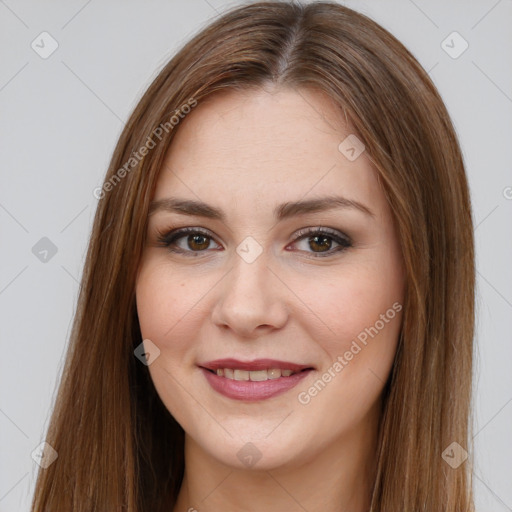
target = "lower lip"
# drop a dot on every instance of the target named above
(252, 391)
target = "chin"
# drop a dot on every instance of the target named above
(265, 449)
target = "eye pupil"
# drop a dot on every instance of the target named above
(195, 239)
(324, 239)
(191, 241)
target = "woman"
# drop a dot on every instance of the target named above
(277, 304)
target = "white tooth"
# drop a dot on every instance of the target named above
(274, 373)
(286, 373)
(228, 373)
(220, 372)
(258, 375)
(241, 375)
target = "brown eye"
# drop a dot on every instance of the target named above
(320, 240)
(194, 241)
(198, 242)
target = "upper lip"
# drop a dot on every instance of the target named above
(254, 365)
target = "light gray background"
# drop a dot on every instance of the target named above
(61, 116)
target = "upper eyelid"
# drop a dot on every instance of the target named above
(178, 233)
(323, 229)
(344, 241)
(297, 233)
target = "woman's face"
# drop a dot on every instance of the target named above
(273, 278)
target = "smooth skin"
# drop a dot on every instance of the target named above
(301, 300)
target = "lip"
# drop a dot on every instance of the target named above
(253, 391)
(256, 364)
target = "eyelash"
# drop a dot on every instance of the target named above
(168, 238)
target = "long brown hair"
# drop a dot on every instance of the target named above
(118, 446)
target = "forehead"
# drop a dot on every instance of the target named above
(265, 123)
(265, 145)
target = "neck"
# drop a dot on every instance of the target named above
(338, 478)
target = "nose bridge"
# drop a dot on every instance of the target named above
(249, 297)
(250, 274)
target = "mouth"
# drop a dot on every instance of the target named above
(253, 380)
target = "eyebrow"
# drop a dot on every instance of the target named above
(281, 212)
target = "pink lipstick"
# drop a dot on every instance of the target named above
(253, 380)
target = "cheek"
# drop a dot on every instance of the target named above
(164, 306)
(360, 313)
(167, 312)
(347, 305)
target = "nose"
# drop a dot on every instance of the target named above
(251, 299)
